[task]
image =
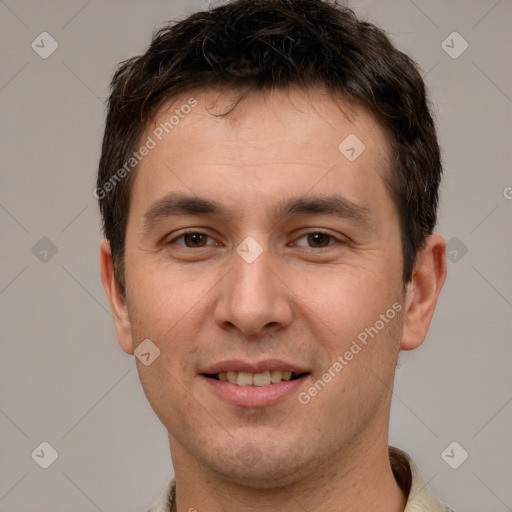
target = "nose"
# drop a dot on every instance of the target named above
(254, 297)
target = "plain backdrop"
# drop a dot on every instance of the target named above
(63, 378)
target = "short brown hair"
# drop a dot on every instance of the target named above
(250, 45)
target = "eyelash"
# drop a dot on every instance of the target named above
(313, 232)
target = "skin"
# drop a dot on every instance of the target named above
(297, 301)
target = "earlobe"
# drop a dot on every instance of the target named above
(115, 298)
(423, 291)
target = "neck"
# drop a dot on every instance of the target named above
(357, 480)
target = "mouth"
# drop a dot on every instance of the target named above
(262, 383)
(260, 379)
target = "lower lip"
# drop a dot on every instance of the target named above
(255, 396)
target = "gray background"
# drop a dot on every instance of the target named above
(63, 378)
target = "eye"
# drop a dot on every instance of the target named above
(317, 240)
(193, 239)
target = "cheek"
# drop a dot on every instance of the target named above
(170, 308)
(348, 299)
(165, 313)
(160, 295)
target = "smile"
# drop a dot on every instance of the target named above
(260, 379)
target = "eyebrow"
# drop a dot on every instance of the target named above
(174, 204)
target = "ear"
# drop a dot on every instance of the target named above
(423, 290)
(115, 299)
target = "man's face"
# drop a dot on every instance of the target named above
(295, 253)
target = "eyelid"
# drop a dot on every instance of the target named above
(187, 232)
(335, 238)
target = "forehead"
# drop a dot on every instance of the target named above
(209, 142)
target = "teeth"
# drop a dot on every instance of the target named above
(262, 379)
(244, 379)
(276, 375)
(254, 379)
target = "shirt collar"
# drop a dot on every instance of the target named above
(420, 497)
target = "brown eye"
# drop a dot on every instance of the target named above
(318, 239)
(194, 239)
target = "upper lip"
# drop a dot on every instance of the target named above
(238, 365)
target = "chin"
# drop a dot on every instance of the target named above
(262, 477)
(252, 467)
